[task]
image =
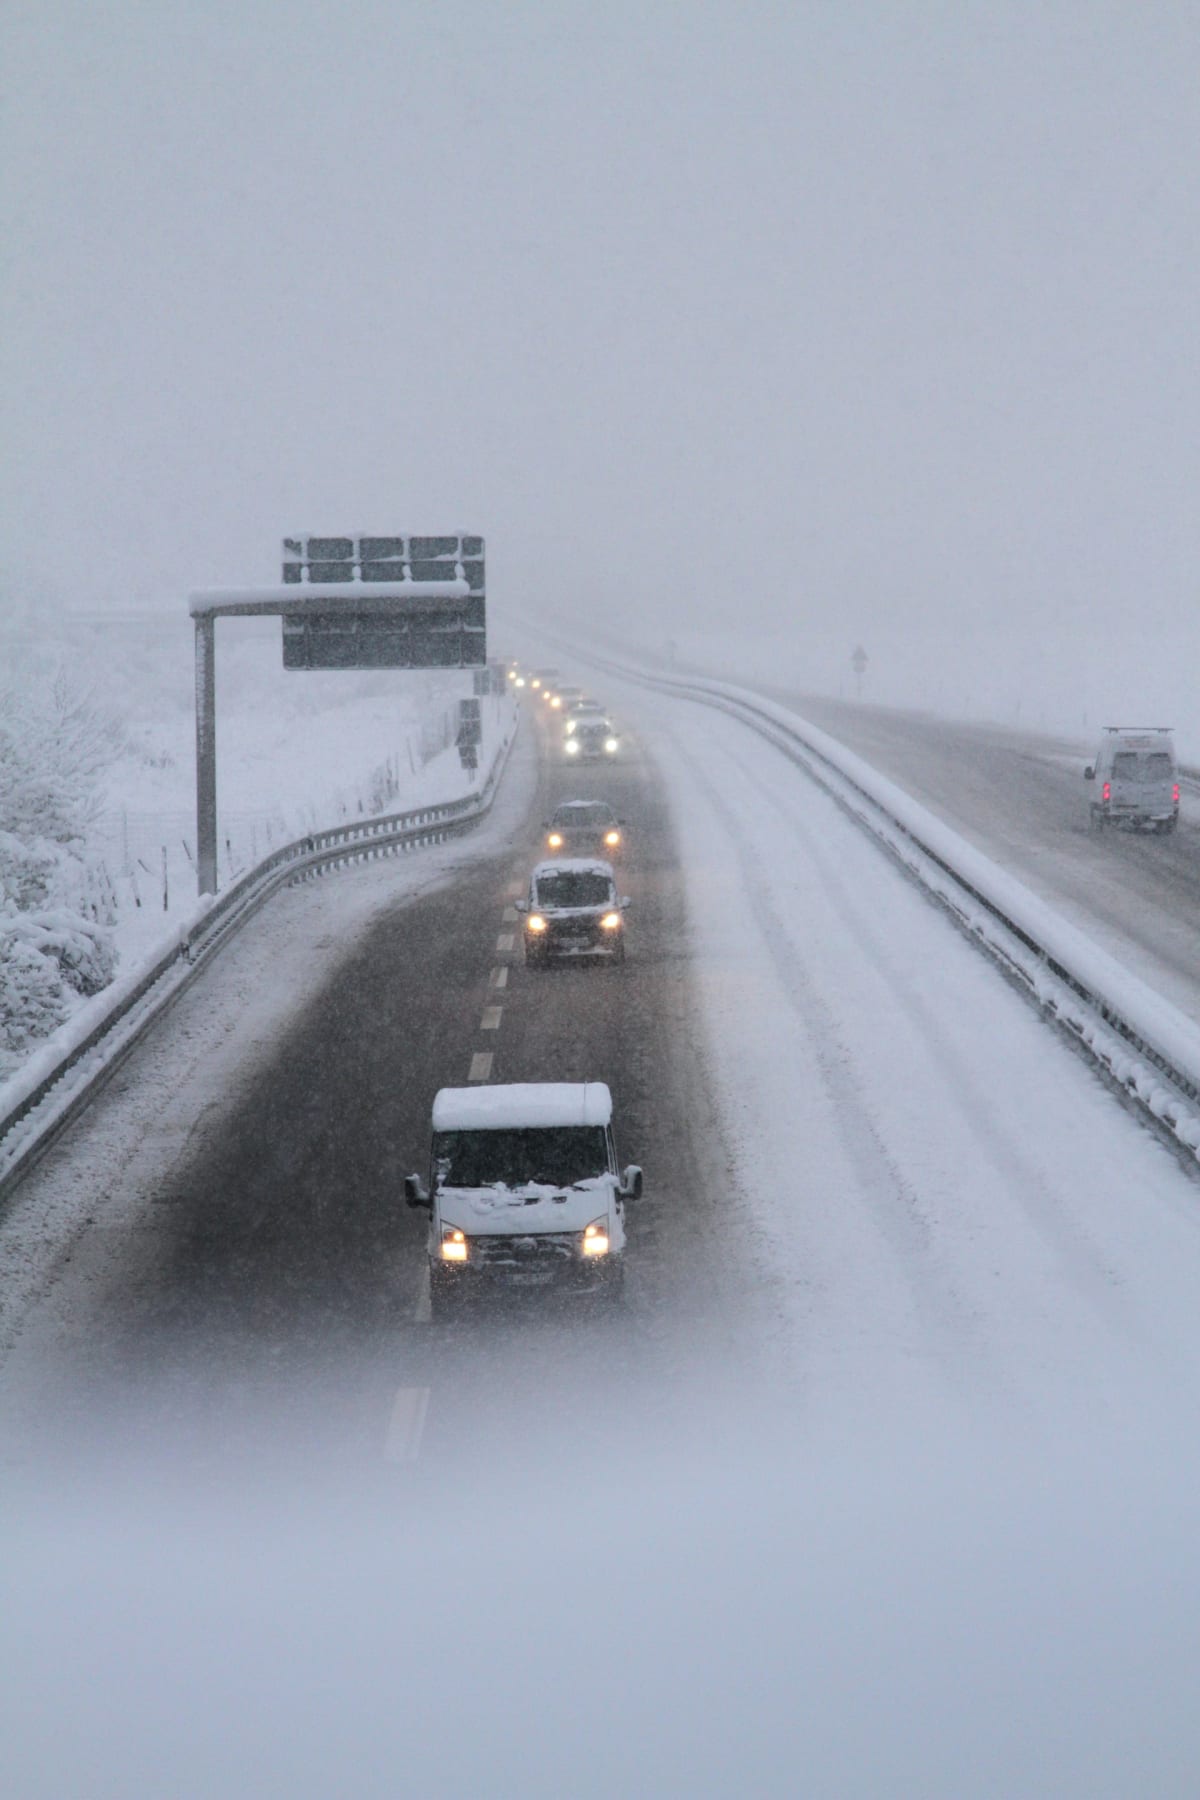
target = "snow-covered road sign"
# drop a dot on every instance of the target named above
(384, 602)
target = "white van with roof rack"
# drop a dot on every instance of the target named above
(1138, 776)
(524, 1191)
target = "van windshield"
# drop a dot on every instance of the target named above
(554, 1155)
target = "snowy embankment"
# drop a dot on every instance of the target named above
(99, 873)
(102, 876)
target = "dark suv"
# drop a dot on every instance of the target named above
(580, 827)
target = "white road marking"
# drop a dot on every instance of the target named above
(516, 888)
(509, 915)
(406, 1426)
(423, 1310)
(499, 977)
(506, 940)
(481, 1066)
(491, 1018)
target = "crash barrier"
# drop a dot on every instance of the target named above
(1144, 1043)
(72, 1067)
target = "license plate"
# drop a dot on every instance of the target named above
(530, 1277)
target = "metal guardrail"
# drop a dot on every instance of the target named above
(56, 1096)
(1143, 1042)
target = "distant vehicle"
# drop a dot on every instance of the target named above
(1138, 776)
(578, 827)
(573, 910)
(541, 678)
(594, 737)
(524, 1191)
(570, 697)
(579, 711)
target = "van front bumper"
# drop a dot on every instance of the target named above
(500, 1264)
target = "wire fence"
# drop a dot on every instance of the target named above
(144, 862)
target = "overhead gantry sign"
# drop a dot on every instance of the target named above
(346, 603)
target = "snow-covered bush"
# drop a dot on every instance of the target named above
(33, 998)
(54, 747)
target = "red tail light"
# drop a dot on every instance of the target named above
(1175, 794)
(1107, 790)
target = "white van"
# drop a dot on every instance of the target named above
(1138, 778)
(524, 1191)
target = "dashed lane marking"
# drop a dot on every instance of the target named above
(509, 915)
(515, 889)
(481, 1066)
(505, 941)
(423, 1310)
(499, 977)
(406, 1427)
(491, 1018)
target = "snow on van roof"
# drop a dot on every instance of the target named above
(528, 1103)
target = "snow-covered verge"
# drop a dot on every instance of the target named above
(97, 797)
(51, 1085)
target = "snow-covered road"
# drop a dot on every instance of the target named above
(960, 1207)
(883, 1481)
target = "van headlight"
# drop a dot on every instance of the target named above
(535, 922)
(572, 746)
(612, 839)
(611, 922)
(595, 1238)
(555, 840)
(454, 1244)
(612, 745)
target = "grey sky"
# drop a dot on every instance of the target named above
(854, 307)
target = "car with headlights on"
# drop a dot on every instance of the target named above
(524, 1191)
(594, 738)
(583, 827)
(573, 910)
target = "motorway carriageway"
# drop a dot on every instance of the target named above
(877, 1185)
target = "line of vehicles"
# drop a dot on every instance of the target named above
(525, 1188)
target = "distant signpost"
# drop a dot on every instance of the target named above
(858, 662)
(346, 603)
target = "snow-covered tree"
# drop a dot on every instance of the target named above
(55, 744)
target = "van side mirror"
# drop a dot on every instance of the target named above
(520, 906)
(631, 1183)
(415, 1191)
(1089, 774)
(624, 902)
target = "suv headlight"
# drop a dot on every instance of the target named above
(611, 922)
(595, 1238)
(611, 745)
(555, 840)
(535, 922)
(454, 1244)
(612, 839)
(572, 746)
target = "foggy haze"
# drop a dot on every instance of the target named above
(854, 321)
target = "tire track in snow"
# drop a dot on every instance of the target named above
(1079, 1261)
(950, 1330)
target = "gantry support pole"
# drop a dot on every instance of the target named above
(206, 753)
